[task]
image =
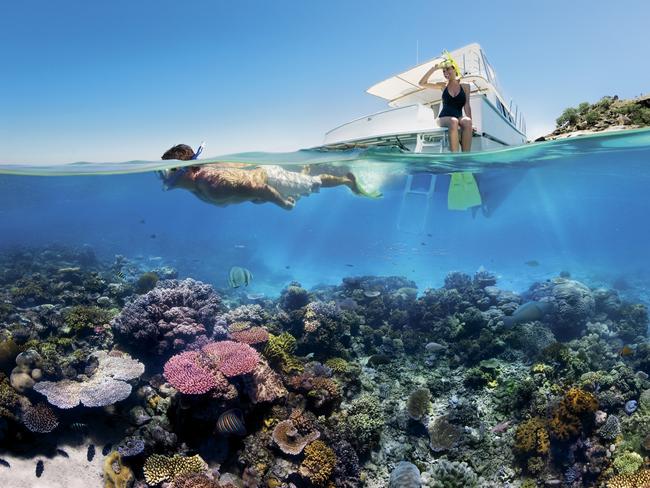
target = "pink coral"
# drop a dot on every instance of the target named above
(187, 374)
(232, 358)
(254, 335)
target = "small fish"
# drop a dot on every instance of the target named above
(231, 422)
(255, 296)
(62, 453)
(532, 263)
(423, 243)
(434, 347)
(287, 267)
(152, 236)
(372, 293)
(90, 455)
(142, 221)
(79, 427)
(626, 351)
(106, 449)
(4, 463)
(119, 274)
(350, 265)
(501, 427)
(239, 276)
(240, 246)
(40, 467)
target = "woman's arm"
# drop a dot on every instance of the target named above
(424, 81)
(467, 107)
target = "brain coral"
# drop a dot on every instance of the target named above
(450, 474)
(40, 418)
(158, 468)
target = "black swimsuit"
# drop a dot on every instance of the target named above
(453, 106)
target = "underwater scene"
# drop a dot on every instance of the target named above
(457, 320)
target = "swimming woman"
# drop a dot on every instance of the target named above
(455, 98)
(228, 183)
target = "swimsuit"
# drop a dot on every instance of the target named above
(290, 183)
(453, 106)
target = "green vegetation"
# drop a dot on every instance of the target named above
(605, 112)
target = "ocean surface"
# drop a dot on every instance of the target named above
(395, 305)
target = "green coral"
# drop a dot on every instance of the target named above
(279, 350)
(9, 399)
(83, 318)
(365, 421)
(451, 474)
(337, 365)
(146, 282)
(627, 462)
(419, 403)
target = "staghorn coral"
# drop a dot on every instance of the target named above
(338, 365)
(169, 317)
(318, 464)
(289, 440)
(532, 437)
(116, 474)
(40, 419)
(106, 386)
(365, 421)
(158, 468)
(187, 373)
(231, 358)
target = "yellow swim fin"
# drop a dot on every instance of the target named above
(463, 192)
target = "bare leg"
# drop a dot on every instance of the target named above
(328, 181)
(452, 124)
(466, 134)
(270, 194)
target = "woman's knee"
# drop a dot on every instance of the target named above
(466, 123)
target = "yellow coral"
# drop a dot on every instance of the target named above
(640, 479)
(158, 468)
(116, 474)
(318, 464)
(541, 368)
(279, 349)
(338, 365)
(532, 437)
(566, 421)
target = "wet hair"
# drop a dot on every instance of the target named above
(182, 152)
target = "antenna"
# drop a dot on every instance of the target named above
(417, 51)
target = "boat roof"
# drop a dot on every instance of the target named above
(404, 89)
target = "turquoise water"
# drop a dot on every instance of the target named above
(575, 204)
(363, 279)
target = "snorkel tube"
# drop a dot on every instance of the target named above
(171, 180)
(453, 63)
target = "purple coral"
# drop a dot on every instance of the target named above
(171, 316)
(232, 358)
(40, 419)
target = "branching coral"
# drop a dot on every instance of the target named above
(574, 412)
(640, 479)
(231, 358)
(532, 438)
(318, 464)
(365, 420)
(253, 335)
(279, 350)
(187, 374)
(627, 462)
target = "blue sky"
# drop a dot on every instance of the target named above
(121, 80)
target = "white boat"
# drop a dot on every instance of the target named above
(411, 122)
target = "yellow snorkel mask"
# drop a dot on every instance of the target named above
(451, 62)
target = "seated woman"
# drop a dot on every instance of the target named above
(227, 183)
(455, 98)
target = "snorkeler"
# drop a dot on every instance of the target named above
(455, 98)
(228, 183)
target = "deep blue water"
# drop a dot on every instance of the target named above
(580, 206)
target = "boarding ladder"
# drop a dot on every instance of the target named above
(419, 188)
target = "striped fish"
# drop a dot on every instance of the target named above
(239, 277)
(231, 422)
